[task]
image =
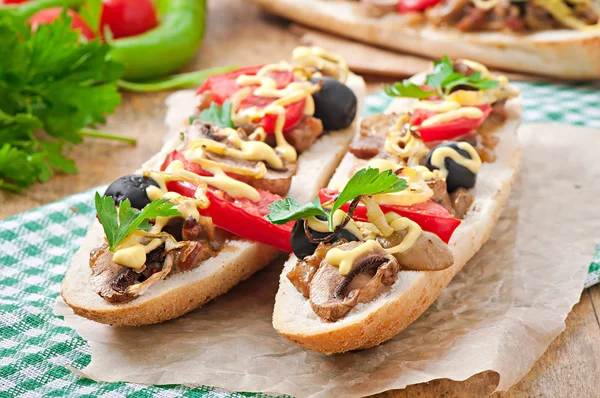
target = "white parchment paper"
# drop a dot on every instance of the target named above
(500, 313)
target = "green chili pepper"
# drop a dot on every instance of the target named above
(183, 80)
(168, 47)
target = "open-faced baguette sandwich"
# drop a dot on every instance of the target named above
(559, 38)
(190, 224)
(413, 201)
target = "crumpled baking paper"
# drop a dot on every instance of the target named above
(500, 313)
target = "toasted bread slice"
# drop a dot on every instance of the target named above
(237, 261)
(372, 323)
(562, 53)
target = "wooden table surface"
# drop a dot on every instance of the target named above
(239, 34)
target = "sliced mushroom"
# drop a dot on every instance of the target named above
(429, 253)
(332, 295)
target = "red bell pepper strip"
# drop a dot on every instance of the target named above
(241, 217)
(448, 130)
(430, 216)
(224, 86)
(405, 6)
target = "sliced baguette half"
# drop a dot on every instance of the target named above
(370, 324)
(237, 261)
(561, 53)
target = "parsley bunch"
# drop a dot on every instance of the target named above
(49, 81)
(367, 181)
(440, 82)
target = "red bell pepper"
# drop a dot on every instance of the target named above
(405, 6)
(448, 130)
(241, 217)
(224, 86)
(430, 216)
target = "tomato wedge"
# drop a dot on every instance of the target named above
(447, 130)
(127, 18)
(405, 6)
(240, 216)
(430, 216)
(224, 86)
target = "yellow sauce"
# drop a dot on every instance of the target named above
(434, 106)
(466, 112)
(320, 59)
(132, 253)
(339, 215)
(440, 154)
(344, 259)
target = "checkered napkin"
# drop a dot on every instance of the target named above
(36, 247)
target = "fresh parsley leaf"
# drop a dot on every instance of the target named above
(116, 228)
(408, 89)
(218, 115)
(287, 210)
(367, 181)
(442, 80)
(442, 70)
(49, 80)
(91, 12)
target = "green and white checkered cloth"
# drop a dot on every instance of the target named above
(36, 247)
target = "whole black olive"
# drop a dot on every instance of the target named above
(132, 187)
(302, 247)
(458, 175)
(335, 104)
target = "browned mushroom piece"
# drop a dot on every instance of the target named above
(429, 253)
(332, 295)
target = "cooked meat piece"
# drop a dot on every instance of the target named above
(191, 255)
(446, 12)
(277, 182)
(305, 133)
(199, 129)
(537, 18)
(332, 295)
(367, 147)
(204, 100)
(463, 68)
(193, 230)
(586, 12)
(429, 253)
(378, 8)
(497, 116)
(458, 203)
(440, 193)
(378, 125)
(304, 270)
(461, 200)
(472, 20)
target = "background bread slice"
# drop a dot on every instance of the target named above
(372, 323)
(237, 261)
(567, 54)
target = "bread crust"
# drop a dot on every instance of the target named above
(237, 261)
(385, 317)
(566, 54)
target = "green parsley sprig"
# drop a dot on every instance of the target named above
(218, 115)
(367, 181)
(440, 82)
(118, 226)
(49, 81)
